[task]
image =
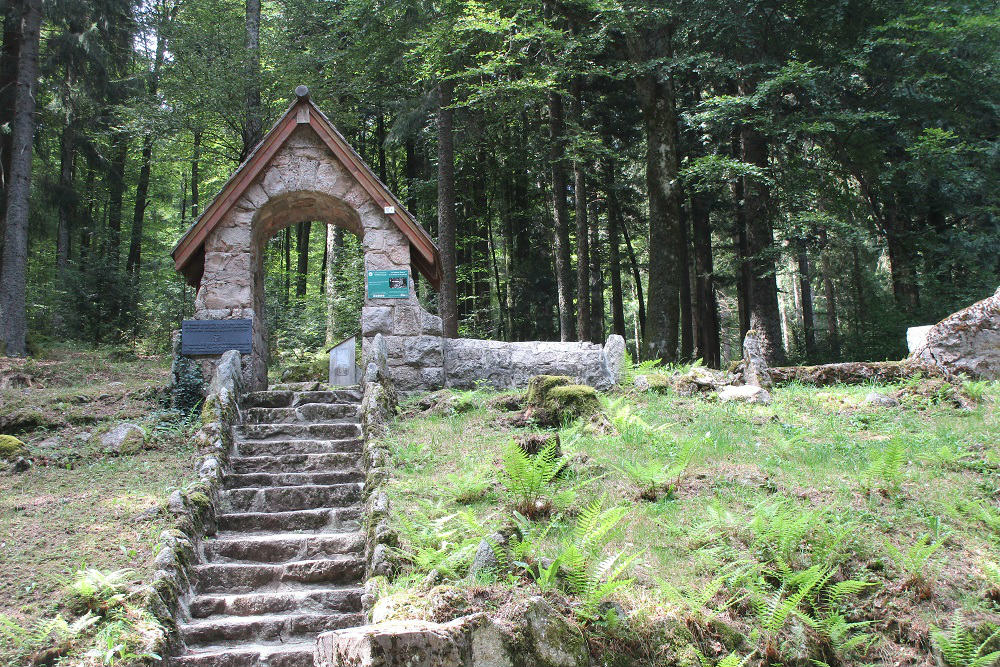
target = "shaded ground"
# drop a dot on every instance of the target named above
(79, 506)
(904, 499)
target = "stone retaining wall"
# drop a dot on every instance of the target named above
(424, 361)
(194, 509)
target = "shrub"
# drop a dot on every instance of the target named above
(527, 477)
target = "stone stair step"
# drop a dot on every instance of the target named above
(287, 398)
(268, 627)
(292, 654)
(327, 462)
(345, 599)
(237, 578)
(315, 520)
(280, 447)
(281, 547)
(307, 412)
(292, 478)
(289, 498)
(323, 431)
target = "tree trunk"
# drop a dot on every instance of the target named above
(832, 325)
(13, 279)
(596, 279)
(560, 216)
(582, 230)
(195, 158)
(660, 336)
(764, 309)
(448, 297)
(334, 241)
(805, 287)
(116, 195)
(253, 124)
(741, 250)
(614, 254)
(286, 248)
(8, 88)
(67, 198)
(302, 265)
(706, 307)
(902, 259)
(684, 263)
(636, 277)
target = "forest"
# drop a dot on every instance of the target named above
(676, 172)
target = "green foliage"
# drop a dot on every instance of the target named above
(98, 591)
(526, 478)
(886, 467)
(43, 633)
(915, 561)
(959, 647)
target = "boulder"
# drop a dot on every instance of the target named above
(11, 448)
(755, 360)
(553, 641)
(124, 439)
(699, 379)
(745, 394)
(655, 383)
(486, 559)
(881, 400)
(553, 399)
(614, 357)
(470, 641)
(966, 342)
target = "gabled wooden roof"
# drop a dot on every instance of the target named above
(189, 253)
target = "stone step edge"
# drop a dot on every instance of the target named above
(276, 536)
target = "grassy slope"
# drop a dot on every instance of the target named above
(78, 507)
(802, 481)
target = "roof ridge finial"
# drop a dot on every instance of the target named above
(302, 92)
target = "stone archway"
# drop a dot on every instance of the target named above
(303, 170)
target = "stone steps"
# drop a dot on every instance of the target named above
(291, 654)
(290, 399)
(281, 547)
(321, 431)
(314, 600)
(315, 462)
(288, 559)
(270, 627)
(289, 498)
(308, 412)
(336, 518)
(293, 478)
(282, 447)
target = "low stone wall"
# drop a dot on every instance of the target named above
(422, 362)
(194, 509)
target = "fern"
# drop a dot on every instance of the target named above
(915, 560)
(44, 632)
(526, 477)
(887, 467)
(959, 648)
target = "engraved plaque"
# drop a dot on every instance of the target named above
(216, 336)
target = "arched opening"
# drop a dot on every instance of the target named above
(285, 320)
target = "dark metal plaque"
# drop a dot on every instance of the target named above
(216, 336)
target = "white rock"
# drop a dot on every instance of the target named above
(745, 394)
(916, 337)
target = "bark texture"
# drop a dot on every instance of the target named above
(13, 279)
(560, 216)
(448, 301)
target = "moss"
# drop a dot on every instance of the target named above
(208, 409)
(572, 401)
(658, 383)
(540, 386)
(200, 500)
(11, 447)
(314, 369)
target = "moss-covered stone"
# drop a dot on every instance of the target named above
(572, 401)
(540, 386)
(11, 447)
(313, 369)
(200, 500)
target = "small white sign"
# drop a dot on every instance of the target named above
(389, 210)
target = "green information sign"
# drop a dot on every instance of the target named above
(389, 284)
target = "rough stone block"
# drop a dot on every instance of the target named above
(376, 319)
(430, 325)
(423, 351)
(614, 357)
(406, 320)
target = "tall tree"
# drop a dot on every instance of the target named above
(560, 216)
(13, 276)
(448, 298)
(253, 124)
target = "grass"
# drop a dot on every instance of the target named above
(78, 508)
(756, 512)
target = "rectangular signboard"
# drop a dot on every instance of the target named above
(389, 284)
(216, 336)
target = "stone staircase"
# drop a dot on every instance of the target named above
(288, 559)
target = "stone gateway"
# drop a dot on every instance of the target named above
(304, 170)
